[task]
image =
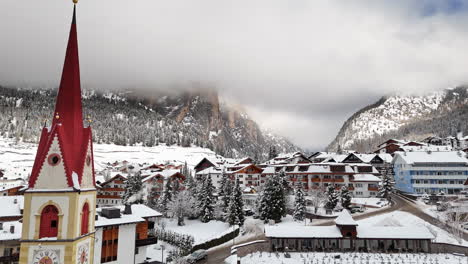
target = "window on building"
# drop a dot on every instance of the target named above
(109, 244)
(85, 219)
(49, 222)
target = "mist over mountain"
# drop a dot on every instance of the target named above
(180, 117)
(409, 117)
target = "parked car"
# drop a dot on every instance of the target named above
(196, 256)
(356, 209)
(248, 212)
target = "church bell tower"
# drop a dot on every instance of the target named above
(59, 205)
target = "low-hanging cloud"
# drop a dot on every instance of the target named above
(301, 67)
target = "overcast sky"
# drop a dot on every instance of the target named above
(300, 67)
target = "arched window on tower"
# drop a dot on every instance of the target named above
(85, 219)
(49, 222)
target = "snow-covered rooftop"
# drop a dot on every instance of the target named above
(143, 211)
(433, 157)
(139, 213)
(210, 170)
(165, 174)
(303, 231)
(123, 219)
(366, 178)
(394, 232)
(307, 168)
(345, 218)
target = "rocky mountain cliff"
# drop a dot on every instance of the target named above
(128, 118)
(406, 117)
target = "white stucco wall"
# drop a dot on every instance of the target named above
(126, 246)
(97, 246)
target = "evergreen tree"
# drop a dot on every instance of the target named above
(133, 190)
(225, 190)
(332, 197)
(192, 192)
(207, 201)
(272, 153)
(185, 171)
(175, 185)
(272, 205)
(166, 198)
(345, 197)
(235, 210)
(386, 188)
(299, 204)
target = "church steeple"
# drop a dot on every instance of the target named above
(68, 110)
(59, 205)
(67, 132)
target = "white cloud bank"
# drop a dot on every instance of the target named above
(301, 67)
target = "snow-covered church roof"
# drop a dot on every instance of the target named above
(345, 218)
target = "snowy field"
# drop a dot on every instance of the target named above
(348, 258)
(399, 218)
(18, 158)
(200, 231)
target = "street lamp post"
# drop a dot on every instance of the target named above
(162, 254)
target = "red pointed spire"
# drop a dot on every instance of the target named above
(67, 126)
(68, 106)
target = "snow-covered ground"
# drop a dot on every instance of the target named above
(159, 252)
(348, 258)
(18, 158)
(399, 218)
(200, 231)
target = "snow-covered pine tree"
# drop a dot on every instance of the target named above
(235, 210)
(283, 178)
(175, 186)
(165, 198)
(133, 190)
(185, 170)
(180, 206)
(332, 197)
(225, 190)
(272, 204)
(152, 197)
(299, 204)
(345, 197)
(272, 153)
(386, 187)
(207, 201)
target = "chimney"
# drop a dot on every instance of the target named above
(128, 209)
(1, 226)
(15, 201)
(96, 217)
(12, 229)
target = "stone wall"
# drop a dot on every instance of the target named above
(448, 248)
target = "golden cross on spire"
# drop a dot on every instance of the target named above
(75, 2)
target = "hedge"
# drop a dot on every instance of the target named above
(217, 241)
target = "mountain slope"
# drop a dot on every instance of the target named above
(129, 118)
(406, 117)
